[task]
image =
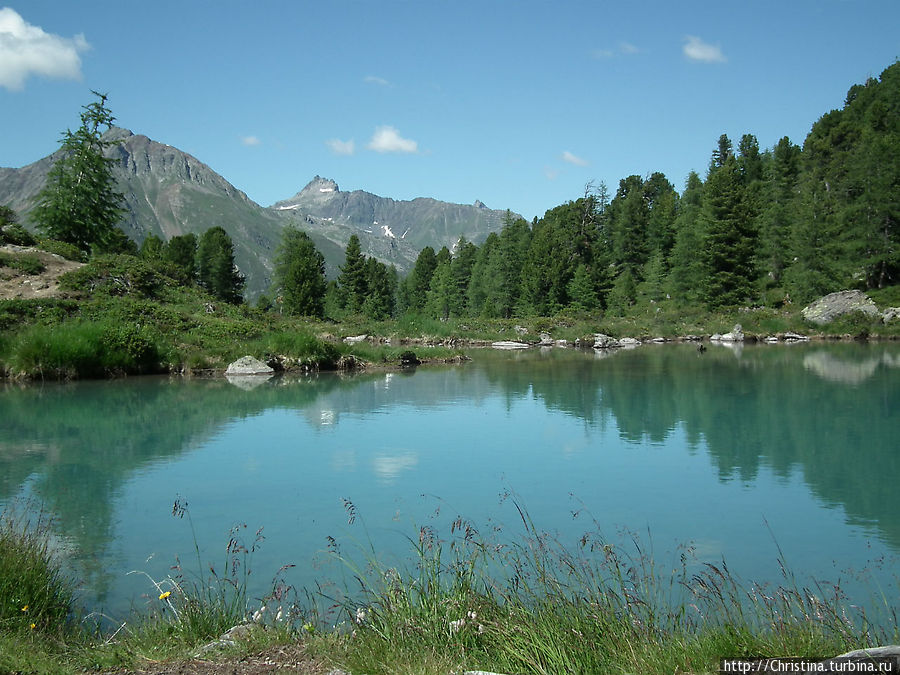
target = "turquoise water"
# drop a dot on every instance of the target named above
(735, 453)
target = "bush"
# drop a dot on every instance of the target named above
(17, 235)
(61, 248)
(19, 311)
(25, 263)
(115, 275)
(84, 349)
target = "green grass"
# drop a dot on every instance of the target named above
(23, 262)
(531, 605)
(518, 603)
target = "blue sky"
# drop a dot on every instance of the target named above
(518, 104)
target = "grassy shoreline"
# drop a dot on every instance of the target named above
(119, 315)
(525, 604)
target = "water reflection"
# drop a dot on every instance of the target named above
(826, 415)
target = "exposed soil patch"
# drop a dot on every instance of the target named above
(283, 659)
(16, 284)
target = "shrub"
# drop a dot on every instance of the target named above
(61, 248)
(84, 349)
(17, 235)
(115, 275)
(25, 263)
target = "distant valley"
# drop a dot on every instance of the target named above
(168, 192)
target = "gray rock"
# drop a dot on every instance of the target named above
(831, 306)
(736, 335)
(509, 344)
(602, 341)
(520, 330)
(248, 365)
(890, 314)
(546, 340)
(355, 339)
(795, 337)
(629, 342)
(561, 343)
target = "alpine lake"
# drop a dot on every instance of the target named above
(759, 455)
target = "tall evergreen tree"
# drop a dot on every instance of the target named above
(686, 269)
(79, 203)
(300, 274)
(352, 279)
(216, 269)
(181, 252)
(730, 238)
(419, 280)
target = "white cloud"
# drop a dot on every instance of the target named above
(698, 50)
(373, 79)
(628, 48)
(27, 50)
(550, 173)
(573, 159)
(388, 139)
(251, 141)
(340, 147)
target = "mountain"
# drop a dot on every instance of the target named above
(168, 192)
(419, 222)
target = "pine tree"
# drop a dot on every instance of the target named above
(300, 274)
(352, 279)
(216, 269)
(730, 242)
(79, 203)
(181, 252)
(686, 265)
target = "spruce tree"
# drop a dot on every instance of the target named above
(730, 243)
(216, 269)
(352, 279)
(300, 274)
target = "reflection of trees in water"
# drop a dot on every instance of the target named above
(765, 407)
(78, 443)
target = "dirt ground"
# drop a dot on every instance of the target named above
(284, 659)
(14, 284)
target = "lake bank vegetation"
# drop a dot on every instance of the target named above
(523, 603)
(764, 233)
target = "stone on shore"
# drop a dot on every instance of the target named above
(249, 365)
(510, 344)
(833, 305)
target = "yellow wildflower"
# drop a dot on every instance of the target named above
(33, 626)
(25, 608)
(164, 595)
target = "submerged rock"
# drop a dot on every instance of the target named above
(833, 305)
(249, 365)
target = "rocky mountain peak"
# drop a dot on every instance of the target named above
(320, 186)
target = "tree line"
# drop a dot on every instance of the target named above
(763, 227)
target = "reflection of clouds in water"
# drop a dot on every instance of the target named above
(327, 417)
(388, 467)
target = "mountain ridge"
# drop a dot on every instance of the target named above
(169, 192)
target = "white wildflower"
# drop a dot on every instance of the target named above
(360, 615)
(456, 626)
